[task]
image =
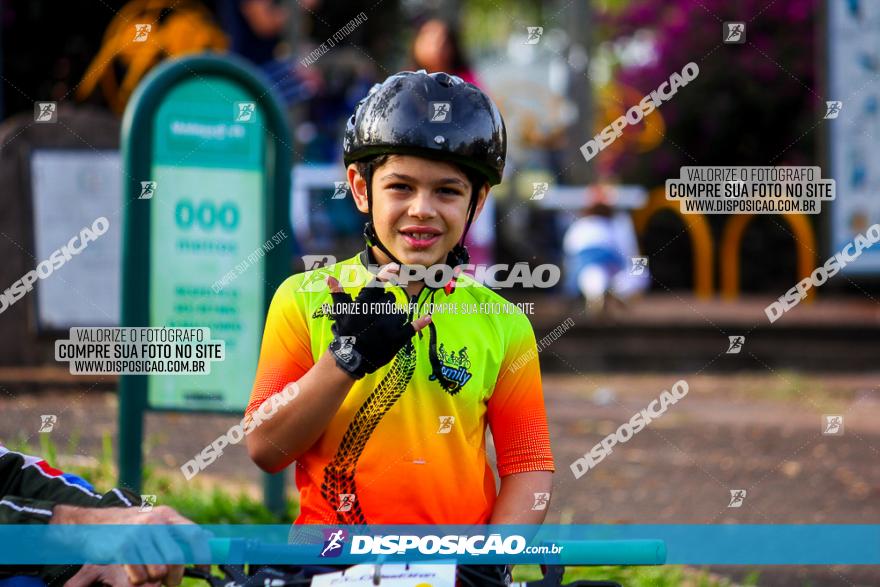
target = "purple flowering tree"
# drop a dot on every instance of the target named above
(755, 103)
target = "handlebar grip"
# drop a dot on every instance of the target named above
(222, 548)
(612, 552)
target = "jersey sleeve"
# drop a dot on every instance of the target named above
(516, 412)
(285, 354)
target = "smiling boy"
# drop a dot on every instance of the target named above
(386, 429)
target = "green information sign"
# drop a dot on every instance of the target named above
(207, 187)
(207, 219)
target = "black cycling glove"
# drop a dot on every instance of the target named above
(369, 330)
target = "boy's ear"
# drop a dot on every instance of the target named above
(481, 200)
(358, 189)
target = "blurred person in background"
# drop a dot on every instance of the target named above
(169, 29)
(256, 32)
(600, 249)
(436, 47)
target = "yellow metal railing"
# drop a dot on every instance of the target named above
(703, 245)
(731, 241)
(698, 229)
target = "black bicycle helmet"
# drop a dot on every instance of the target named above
(436, 116)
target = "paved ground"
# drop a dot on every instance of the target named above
(761, 433)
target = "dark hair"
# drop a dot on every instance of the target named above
(460, 61)
(599, 209)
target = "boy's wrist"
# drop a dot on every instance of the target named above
(347, 358)
(337, 374)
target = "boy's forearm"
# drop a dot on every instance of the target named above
(295, 427)
(517, 502)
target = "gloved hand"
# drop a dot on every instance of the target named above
(369, 338)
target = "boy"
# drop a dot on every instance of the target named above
(384, 428)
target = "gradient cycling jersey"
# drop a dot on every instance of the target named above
(401, 449)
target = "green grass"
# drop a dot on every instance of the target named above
(665, 576)
(215, 505)
(197, 501)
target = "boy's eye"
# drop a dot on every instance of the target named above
(454, 191)
(398, 186)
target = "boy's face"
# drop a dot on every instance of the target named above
(419, 207)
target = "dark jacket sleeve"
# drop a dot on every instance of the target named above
(30, 489)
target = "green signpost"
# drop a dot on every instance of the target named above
(206, 178)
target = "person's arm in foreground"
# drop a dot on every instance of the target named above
(32, 492)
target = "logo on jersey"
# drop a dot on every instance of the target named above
(455, 367)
